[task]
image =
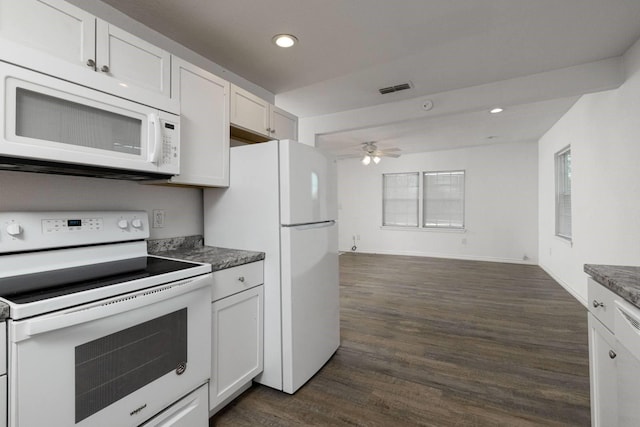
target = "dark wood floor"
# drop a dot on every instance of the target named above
(437, 342)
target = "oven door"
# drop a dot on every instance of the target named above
(117, 362)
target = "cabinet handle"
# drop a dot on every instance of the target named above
(105, 69)
(612, 354)
(91, 63)
(241, 279)
(273, 131)
(268, 129)
(597, 304)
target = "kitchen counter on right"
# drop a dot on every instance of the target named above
(620, 279)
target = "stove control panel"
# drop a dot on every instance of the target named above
(71, 225)
(26, 231)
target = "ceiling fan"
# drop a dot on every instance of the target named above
(373, 153)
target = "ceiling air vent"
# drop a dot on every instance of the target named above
(396, 88)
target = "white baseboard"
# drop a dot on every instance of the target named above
(565, 285)
(451, 256)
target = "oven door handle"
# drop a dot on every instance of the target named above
(113, 306)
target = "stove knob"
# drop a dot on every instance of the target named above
(14, 229)
(137, 223)
(123, 223)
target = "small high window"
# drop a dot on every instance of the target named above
(563, 193)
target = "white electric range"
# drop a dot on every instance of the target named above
(98, 332)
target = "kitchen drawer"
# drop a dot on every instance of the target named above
(601, 303)
(237, 279)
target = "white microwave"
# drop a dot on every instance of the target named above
(55, 126)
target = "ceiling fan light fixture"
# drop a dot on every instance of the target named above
(366, 159)
(284, 40)
(376, 160)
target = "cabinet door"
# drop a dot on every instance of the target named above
(284, 125)
(249, 112)
(603, 374)
(237, 343)
(132, 61)
(53, 27)
(204, 125)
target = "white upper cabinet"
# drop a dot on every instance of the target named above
(55, 27)
(204, 126)
(283, 125)
(249, 112)
(255, 115)
(132, 60)
(59, 39)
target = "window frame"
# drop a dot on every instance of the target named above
(425, 199)
(385, 199)
(562, 177)
(420, 204)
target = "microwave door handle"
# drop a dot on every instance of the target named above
(154, 153)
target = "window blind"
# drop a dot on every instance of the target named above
(563, 193)
(400, 199)
(443, 199)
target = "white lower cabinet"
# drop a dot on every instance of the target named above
(3, 374)
(603, 374)
(237, 332)
(190, 411)
(614, 358)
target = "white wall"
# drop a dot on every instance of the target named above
(604, 132)
(30, 191)
(500, 212)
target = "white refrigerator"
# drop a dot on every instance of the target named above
(282, 200)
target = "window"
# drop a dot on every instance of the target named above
(438, 199)
(443, 199)
(400, 199)
(563, 193)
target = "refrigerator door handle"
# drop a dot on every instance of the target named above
(311, 225)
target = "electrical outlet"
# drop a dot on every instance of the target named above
(158, 218)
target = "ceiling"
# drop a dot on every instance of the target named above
(349, 49)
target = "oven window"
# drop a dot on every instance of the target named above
(114, 366)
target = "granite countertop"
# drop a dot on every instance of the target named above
(191, 248)
(620, 279)
(4, 311)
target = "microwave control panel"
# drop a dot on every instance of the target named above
(170, 143)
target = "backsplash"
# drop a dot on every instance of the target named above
(39, 192)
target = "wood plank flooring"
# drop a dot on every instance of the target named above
(439, 342)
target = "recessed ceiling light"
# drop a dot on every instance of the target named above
(496, 110)
(284, 40)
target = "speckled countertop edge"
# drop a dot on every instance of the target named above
(4, 311)
(620, 279)
(191, 248)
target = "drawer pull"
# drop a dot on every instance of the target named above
(241, 279)
(612, 354)
(597, 304)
